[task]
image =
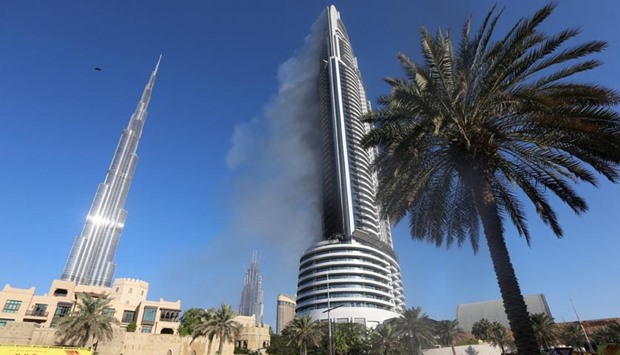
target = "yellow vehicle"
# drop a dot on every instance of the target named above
(41, 350)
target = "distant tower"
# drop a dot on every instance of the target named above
(285, 312)
(252, 294)
(354, 269)
(91, 261)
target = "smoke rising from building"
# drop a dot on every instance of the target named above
(275, 190)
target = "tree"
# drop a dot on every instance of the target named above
(131, 327)
(202, 324)
(89, 321)
(350, 338)
(474, 127)
(544, 329)
(499, 336)
(572, 335)
(416, 329)
(218, 322)
(606, 335)
(303, 332)
(481, 329)
(385, 339)
(278, 346)
(447, 332)
(189, 320)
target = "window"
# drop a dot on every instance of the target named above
(147, 328)
(60, 292)
(130, 290)
(39, 310)
(128, 316)
(117, 290)
(11, 306)
(63, 309)
(109, 311)
(149, 315)
(4, 321)
(169, 315)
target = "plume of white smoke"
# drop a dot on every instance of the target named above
(277, 157)
(275, 193)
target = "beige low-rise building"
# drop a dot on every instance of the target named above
(129, 305)
(252, 337)
(29, 319)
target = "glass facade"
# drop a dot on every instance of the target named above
(91, 261)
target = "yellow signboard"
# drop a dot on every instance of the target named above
(41, 350)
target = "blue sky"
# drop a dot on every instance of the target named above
(190, 233)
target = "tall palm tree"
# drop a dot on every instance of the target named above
(385, 338)
(416, 328)
(545, 329)
(89, 321)
(205, 327)
(447, 332)
(303, 332)
(499, 336)
(472, 125)
(226, 328)
(572, 335)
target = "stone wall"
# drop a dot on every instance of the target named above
(123, 343)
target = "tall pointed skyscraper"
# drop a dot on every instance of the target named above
(252, 293)
(91, 261)
(354, 267)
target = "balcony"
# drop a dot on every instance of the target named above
(37, 313)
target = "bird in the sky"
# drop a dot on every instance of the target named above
(97, 68)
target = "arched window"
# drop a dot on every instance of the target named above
(130, 290)
(193, 352)
(169, 352)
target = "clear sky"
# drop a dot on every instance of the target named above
(191, 231)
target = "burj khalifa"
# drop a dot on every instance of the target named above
(91, 261)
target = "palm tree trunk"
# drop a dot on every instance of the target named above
(453, 349)
(221, 346)
(515, 307)
(209, 346)
(305, 350)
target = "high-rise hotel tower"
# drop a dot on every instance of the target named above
(91, 261)
(252, 293)
(354, 267)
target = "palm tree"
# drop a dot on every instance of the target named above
(499, 336)
(447, 332)
(481, 329)
(89, 321)
(205, 327)
(572, 335)
(606, 335)
(221, 323)
(545, 329)
(416, 328)
(471, 126)
(303, 332)
(385, 338)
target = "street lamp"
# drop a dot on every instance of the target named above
(330, 345)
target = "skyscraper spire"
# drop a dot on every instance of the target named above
(252, 293)
(91, 261)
